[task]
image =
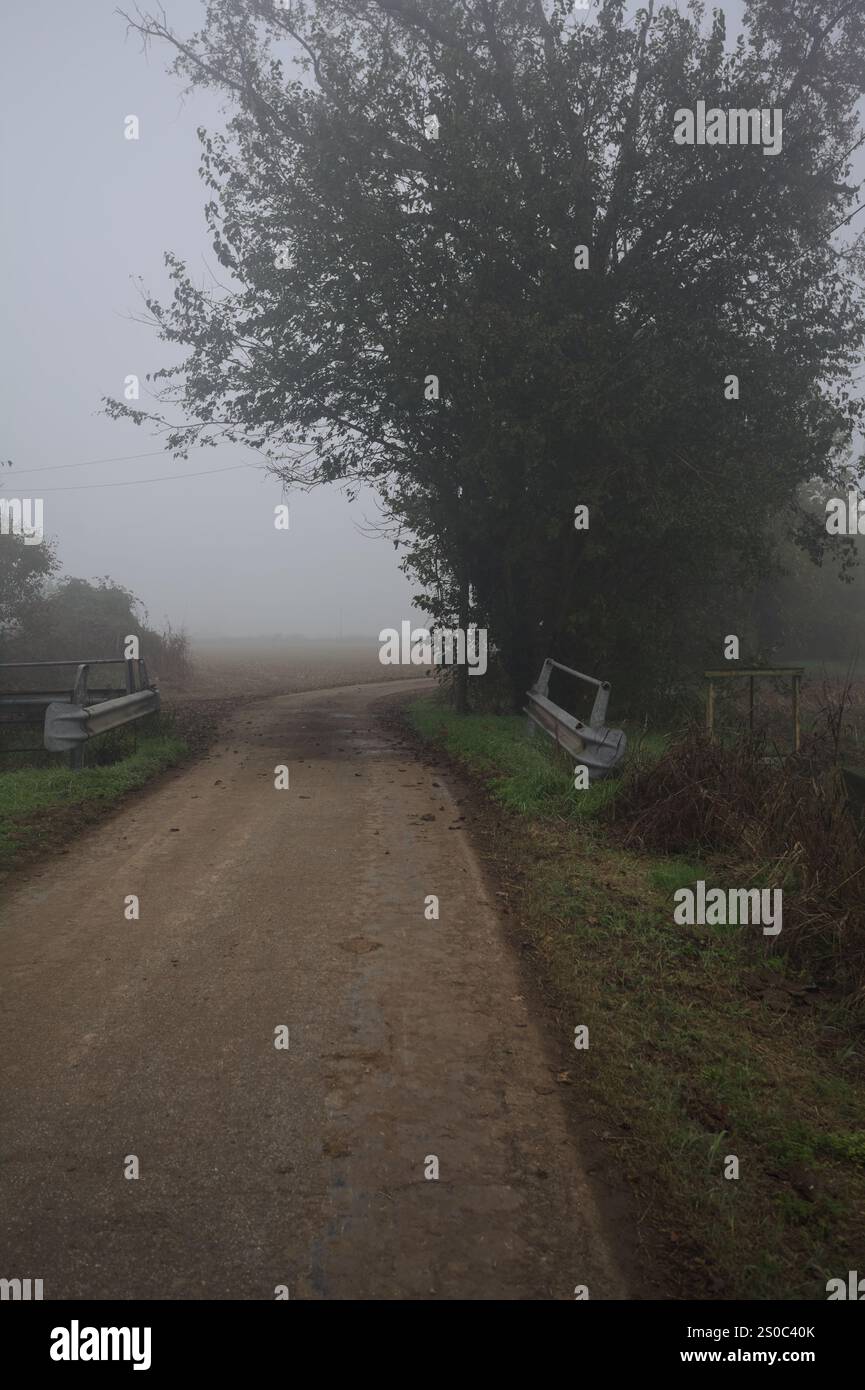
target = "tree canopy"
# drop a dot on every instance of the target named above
(399, 194)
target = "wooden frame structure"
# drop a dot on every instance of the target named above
(794, 673)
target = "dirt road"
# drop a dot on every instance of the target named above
(302, 1166)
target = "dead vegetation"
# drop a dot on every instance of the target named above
(782, 820)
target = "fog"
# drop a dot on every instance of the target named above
(87, 212)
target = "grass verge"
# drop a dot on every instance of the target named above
(704, 1045)
(40, 807)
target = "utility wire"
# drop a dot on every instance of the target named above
(165, 478)
(86, 463)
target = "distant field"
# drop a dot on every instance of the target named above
(226, 670)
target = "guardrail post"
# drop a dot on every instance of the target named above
(542, 684)
(79, 697)
(79, 688)
(599, 708)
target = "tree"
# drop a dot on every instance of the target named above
(24, 571)
(816, 609)
(76, 619)
(365, 256)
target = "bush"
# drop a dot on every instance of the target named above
(167, 655)
(787, 820)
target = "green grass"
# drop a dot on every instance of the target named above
(523, 771)
(703, 1042)
(33, 800)
(672, 874)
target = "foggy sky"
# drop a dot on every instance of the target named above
(85, 210)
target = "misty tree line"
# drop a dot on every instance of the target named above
(44, 617)
(360, 256)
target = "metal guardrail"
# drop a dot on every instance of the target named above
(67, 725)
(595, 746)
(70, 719)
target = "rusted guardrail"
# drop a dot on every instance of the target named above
(70, 718)
(593, 745)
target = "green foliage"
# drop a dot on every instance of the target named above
(29, 795)
(79, 619)
(362, 257)
(24, 570)
(525, 772)
(787, 822)
(676, 873)
(847, 1146)
(688, 1061)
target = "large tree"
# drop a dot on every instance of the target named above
(366, 248)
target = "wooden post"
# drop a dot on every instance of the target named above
(751, 704)
(710, 708)
(796, 723)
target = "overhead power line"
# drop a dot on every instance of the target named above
(165, 478)
(87, 463)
